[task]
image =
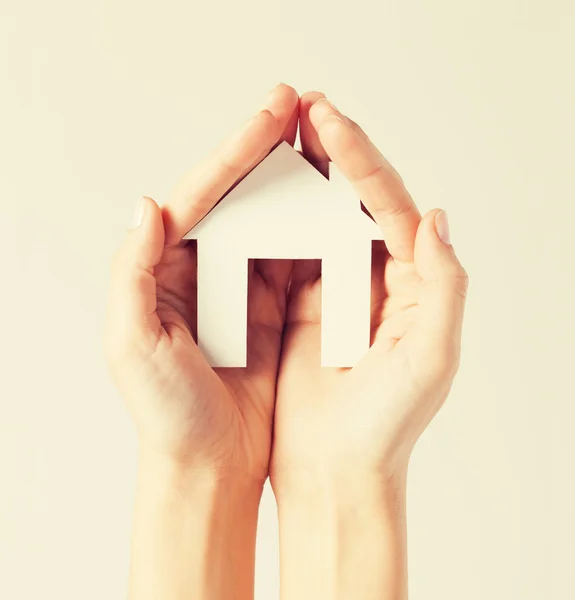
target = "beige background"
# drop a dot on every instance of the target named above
(473, 102)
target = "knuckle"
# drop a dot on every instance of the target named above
(393, 211)
(351, 145)
(353, 124)
(455, 278)
(461, 282)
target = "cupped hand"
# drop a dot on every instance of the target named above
(366, 419)
(216, 420)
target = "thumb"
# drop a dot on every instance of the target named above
(444, 285)
(147, 234)
(133, 324)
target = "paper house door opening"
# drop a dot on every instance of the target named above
(285, 208)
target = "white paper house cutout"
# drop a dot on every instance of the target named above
(285, 208)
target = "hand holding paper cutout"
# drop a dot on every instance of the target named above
(343, 437)
(367, 419)
(210, 420)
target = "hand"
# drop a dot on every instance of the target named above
(343, 437)
(215, 420)
(367, 419)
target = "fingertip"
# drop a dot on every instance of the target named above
(319, 111)
(323, 111)
(288, 90)
(308, 99)
(152, 232)
(142, 212)
(340, 143)
(311, 145)
(436, 226)
(434, 253)
(151, 212)
(281, 102)
(132, 290)
(428, 222)
(138, 213)
(149, 206)
(442, 227)
(290, 130)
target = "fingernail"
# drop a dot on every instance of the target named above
(329, 103)
(324, 111)
(442, 227)
(269, 98)
(138, 213)
(332, 105)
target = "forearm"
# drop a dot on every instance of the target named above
(193, 535)
(343, 538)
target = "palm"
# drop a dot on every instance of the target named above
(212, 418)
(371, 414)
(313, 402)
(240, 421)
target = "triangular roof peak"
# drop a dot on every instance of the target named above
(285, 191)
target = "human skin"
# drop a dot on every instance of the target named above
(204, 435)
(343, 437)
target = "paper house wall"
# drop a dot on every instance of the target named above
(285, 208)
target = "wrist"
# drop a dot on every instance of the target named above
(354, 527)
(194, 532)
(338, 495)
(294, 485)
(165, 472)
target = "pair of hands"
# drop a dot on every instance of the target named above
(284, 415)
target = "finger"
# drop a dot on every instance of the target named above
(301, 344)
(290, 132)
(304, 294)
(283, 103)
(302, 332)
(378, 184)
(202, 187)
(132, 318)
(276, 272)
(311, 146)
(379, 259)
(308, 271)
(304, 272)
(442, 299)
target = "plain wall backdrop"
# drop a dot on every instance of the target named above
(104, 101)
